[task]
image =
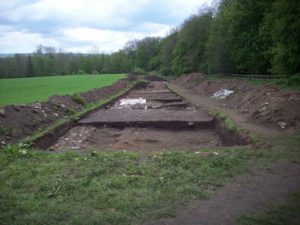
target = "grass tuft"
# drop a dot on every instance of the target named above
(229, 123)
(78, 99)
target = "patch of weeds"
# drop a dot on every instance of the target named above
(69, 111)
(285, 147)
(12, 152)
(285, 214)
(255, 137)
(111, 187)
(78, 99)
(5, 130)
(229, 123)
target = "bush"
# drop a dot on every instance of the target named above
(165, 71)
(139, 70)
(294, 81)
(78, 99)
(69, 111)
(153, 73)
(82, 72)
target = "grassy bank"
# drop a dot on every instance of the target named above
(99, 187)
(109, 188)
(27, 90)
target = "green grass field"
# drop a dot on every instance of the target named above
(27, 90)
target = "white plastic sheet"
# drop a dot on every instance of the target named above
(132, 101)
(223, 93)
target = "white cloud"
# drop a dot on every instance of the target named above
(22, 41)
(77, 25)
(83, 11)
(109, 40)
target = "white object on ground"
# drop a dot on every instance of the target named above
(132, 101)
(223, 93)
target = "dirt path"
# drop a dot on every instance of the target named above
(239, 119)
(247, 193)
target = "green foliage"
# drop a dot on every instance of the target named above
(190, 43)
(146, 54)
(166, 53)
(17, 151)
(112, 188)
(78, 99)
(218, 58)
(82, 72)
(282, 22)
(5, 130)
(139, 70)
(69, 111)
(26, 90)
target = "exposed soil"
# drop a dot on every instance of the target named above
(135, 139)
(19, 121)
(247, 193)
(155, 119)
(150, 117)
(266, 105)
(166, 121)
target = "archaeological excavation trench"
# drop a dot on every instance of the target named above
(150, 117)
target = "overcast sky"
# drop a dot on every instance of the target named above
(83, 25)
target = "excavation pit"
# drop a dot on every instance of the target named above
(150, 118)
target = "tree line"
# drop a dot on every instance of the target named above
(239, 36)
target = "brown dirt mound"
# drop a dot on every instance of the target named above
(19, 121)
(189, 80)
(264, 104)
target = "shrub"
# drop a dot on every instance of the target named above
(81, 72)
(139, 70)
(78, 99)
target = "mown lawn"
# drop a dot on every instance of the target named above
(27, 90)
(109, 188)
